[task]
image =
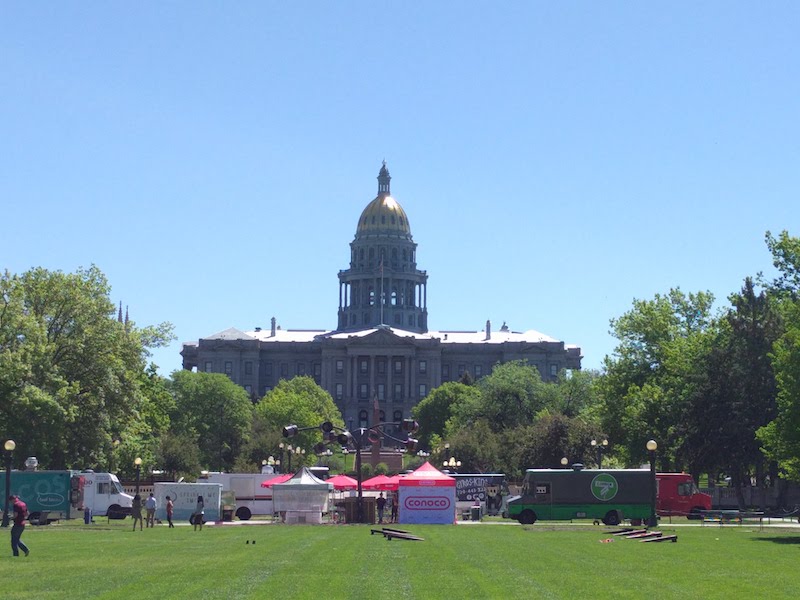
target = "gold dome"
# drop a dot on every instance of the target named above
(383, 215)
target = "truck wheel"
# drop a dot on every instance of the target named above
(528, 517)
(34, 518)
(243, 513)
(612, 518)
(115, 512)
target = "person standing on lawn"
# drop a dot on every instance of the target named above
(150, 504)
(381, 504)
(199, 511)
(395, 502)
(136, 511)
(20, 513)
(170, 509)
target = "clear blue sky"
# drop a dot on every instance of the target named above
(555, 160)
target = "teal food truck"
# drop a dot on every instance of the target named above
(49, 494)
(611, 495)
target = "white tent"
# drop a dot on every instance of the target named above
(301, 499)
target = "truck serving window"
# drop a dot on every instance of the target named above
(685, 489)
(103, 487)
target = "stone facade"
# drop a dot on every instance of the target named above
(382, 348)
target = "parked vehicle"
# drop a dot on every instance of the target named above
(678, 495)
(249, 497)
(184, 496)
(57, 494)
(563, 494)
(610, 495)
(103, 494)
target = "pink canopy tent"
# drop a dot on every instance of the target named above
(343, 483)
(427, 496)
(279, 479)
(380, 482)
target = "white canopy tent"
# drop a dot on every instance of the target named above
(301, 499)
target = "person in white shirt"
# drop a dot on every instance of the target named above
(150, 505)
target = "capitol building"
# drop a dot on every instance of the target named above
(381, 347)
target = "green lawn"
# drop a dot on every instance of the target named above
(465, 561)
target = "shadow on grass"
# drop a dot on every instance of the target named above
(788, 540)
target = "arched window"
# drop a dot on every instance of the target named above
(361, 254)
(383, 219)
(371, 253)
(405, 254)
(383, 417)
(394, 297)
(392, 219)
(398, 415)
(373, 219)
(394, 253)
(362, 418)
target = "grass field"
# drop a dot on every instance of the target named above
(465, 561)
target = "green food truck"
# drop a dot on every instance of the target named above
(610, 495)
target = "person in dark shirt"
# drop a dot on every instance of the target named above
(20, 513)
(381, 504)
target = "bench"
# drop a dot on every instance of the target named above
(722, 517)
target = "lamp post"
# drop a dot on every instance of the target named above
(114, 446)
(281, 448)
(357, 440)
(9, 451)
(137, 462)
(452, 464)
(652, 446)
(564, 462)
(600, 447)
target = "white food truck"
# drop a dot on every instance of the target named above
(103, 494)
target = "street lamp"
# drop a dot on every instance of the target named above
(9, 451)
(358, 439)
(564, 462)
(651, 449)
(137, 462)
(452, 464)
(601, 448)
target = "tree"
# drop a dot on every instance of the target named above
(298, 401)
(648, 380)
(511, 395)
(437, 408)
(68, 366)
(214, 411)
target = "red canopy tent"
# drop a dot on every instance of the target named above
(427, 496)
(380, 482)
(279, 479)
(343, 483)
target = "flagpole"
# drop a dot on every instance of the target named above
(382, 297)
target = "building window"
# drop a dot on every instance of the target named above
(478, 371)
(364, 391)
(339, 366)
(423, 367)
(461, 369)
(382, 417)
(381, 391)
(317, 370)
(268, 369)
(362, 418)
(398, 320)
(381, 367)
(301, 368)
(398, 366)
(209, 366)
(398, 391)
(553, 370)
(423, 390)
(248, 367)
(411, 320)
(228, 367)
(398, 416)
(445, 371)
(339, 391)
(284, 370)
(364, 366)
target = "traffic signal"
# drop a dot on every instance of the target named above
(290, 431)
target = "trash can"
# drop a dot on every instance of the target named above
(227, 514)
(475, 513)
(87, 515)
